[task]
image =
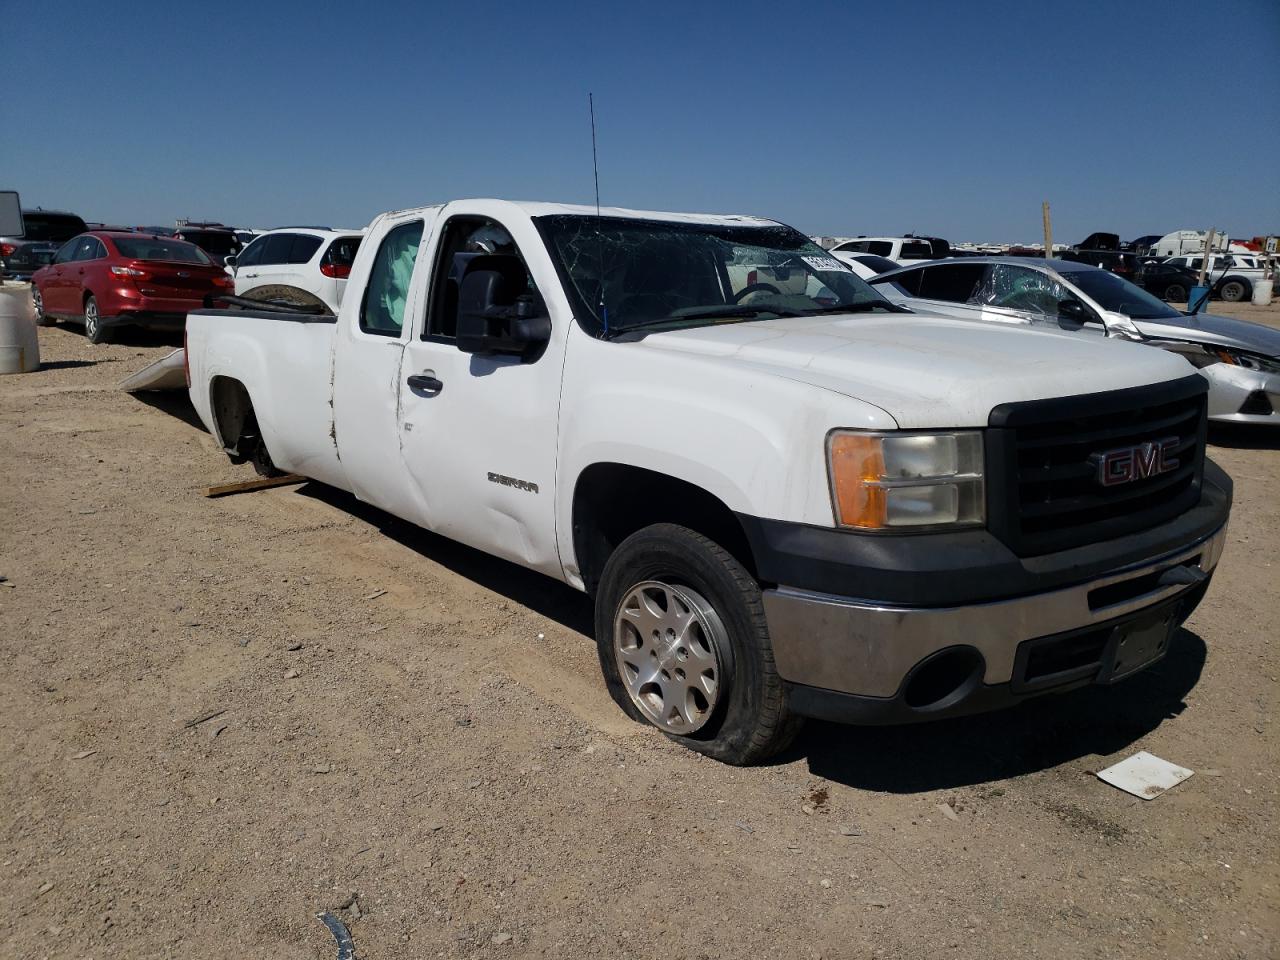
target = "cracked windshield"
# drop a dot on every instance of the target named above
(663, 276)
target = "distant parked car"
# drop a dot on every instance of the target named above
(1168, 281)
(303, 266)
(47, 230)
(104, 280)
(1232, 275)
(216, 239)
(866, 265)
(1241, 360)
(904, 250)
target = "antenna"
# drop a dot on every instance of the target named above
(595, 172)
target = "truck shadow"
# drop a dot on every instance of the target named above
(1041, 733)
(1244, 436)
(539, 593)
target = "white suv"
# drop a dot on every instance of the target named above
(306, 266)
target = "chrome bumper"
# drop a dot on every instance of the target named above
(865, 648)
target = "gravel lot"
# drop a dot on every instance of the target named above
(406, 722)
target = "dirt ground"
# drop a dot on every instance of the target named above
(399, 720)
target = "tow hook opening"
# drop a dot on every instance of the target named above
(943, 679)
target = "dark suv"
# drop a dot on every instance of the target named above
(216, 239)
(47, 230)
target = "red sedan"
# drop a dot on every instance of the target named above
(106, 279)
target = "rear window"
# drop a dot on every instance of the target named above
(878, 264)
(342, 252)
(52, 227)
(155, 248)
(916, 251)
(217, 242)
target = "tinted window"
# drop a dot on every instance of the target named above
(952, 282)
(303, 248)
(278, 248)
(881, 248)
(220, 243)
(86, 249)
(382, 311)
(66, 251)
(51, 227)
(342, 252)
(907, 283)
(916, 251)
(160, 248)
(878, 264)
(252, 253)
(1119, 295)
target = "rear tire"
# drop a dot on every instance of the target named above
(1175, 293)
(739, 715)
(1233, 290)
(37, 301)
(94, 329)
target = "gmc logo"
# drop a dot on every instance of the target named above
(1135, 463)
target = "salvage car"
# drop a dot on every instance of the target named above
(784, 503)
(1241, 360)
(302, 266)
(106, 280)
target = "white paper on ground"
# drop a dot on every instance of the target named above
(1144, 775)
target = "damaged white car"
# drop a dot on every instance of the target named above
(1241, 360)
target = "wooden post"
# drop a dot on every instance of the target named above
(1208, 252)
(1048, 234)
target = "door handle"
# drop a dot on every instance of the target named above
(425, 383)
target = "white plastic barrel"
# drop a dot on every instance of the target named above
(1262, 292)
(19, 345)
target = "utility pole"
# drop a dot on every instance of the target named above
(1208, 252)
(1048, 234)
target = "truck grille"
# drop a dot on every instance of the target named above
(1044, 459)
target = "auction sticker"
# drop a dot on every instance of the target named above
(824, 263)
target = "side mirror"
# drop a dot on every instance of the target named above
(496, 313)
(1072, 314)
(230, 261)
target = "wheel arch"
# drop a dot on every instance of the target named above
(232, 409)
(611, 501)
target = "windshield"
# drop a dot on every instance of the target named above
(1120, 296)
(665, 275)
(155, 248)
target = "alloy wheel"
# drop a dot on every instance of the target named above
(667, 641)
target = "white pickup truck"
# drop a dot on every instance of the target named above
(786, 502)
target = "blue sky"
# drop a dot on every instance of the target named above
(952, 119)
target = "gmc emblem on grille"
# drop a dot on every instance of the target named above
(1135, 463)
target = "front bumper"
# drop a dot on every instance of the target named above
(876, 661)
(1238, 395)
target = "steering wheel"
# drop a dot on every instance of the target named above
(755, 288)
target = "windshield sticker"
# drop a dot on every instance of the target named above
(824, 263)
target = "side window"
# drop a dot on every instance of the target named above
(952, 282)
(303, 248)
(881, 248)
(464, 239)
(99, 251)
(66, 251)
(846, 248)
(277, 249)
(1021, 289)
(85, 249)
(909, 282)
(1196, 264)
(252, 255)
(382, 311)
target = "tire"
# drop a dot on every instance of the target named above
(37, 301)
(670, 578)
(1175, 293)
(1233, 290)
(94, 328)
(261, 460)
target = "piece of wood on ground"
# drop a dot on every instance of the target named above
(248, 486)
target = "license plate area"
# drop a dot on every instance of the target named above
(1138, 643)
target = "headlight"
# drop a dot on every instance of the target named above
(1249, 361)
(906, 481)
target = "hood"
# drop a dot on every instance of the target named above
(927, 371)
(1217, 331)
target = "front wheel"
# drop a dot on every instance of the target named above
(94, 328)
(37, 301)
(684, 646)
(1175, 293)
